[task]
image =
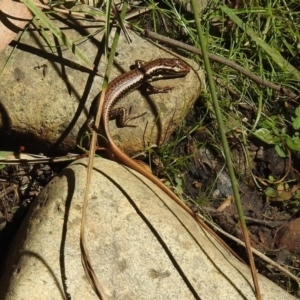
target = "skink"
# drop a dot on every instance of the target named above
(132, 80)
(122, 86)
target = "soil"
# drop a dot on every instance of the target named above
(273, 222)
(20, 185)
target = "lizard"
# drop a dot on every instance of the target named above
(122, 86)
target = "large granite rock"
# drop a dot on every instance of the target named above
(141, 244)
(45, 113)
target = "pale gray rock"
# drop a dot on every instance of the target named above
(51, 109)
(141, 244)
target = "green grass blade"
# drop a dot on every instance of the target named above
(107, 25)
(12, 51)
(44, 33)
(273, 53)
(64, 40)
(226, 148)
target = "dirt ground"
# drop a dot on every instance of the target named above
(273, 222)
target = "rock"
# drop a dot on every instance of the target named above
(141, 244)
(46, 112)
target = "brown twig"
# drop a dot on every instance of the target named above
(130, 15)
(69, 12)
(222, 60)
(227, 214)
(259, 254)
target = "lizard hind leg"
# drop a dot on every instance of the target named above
(121, 115)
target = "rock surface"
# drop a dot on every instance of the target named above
(51, 109)
(141, 244)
